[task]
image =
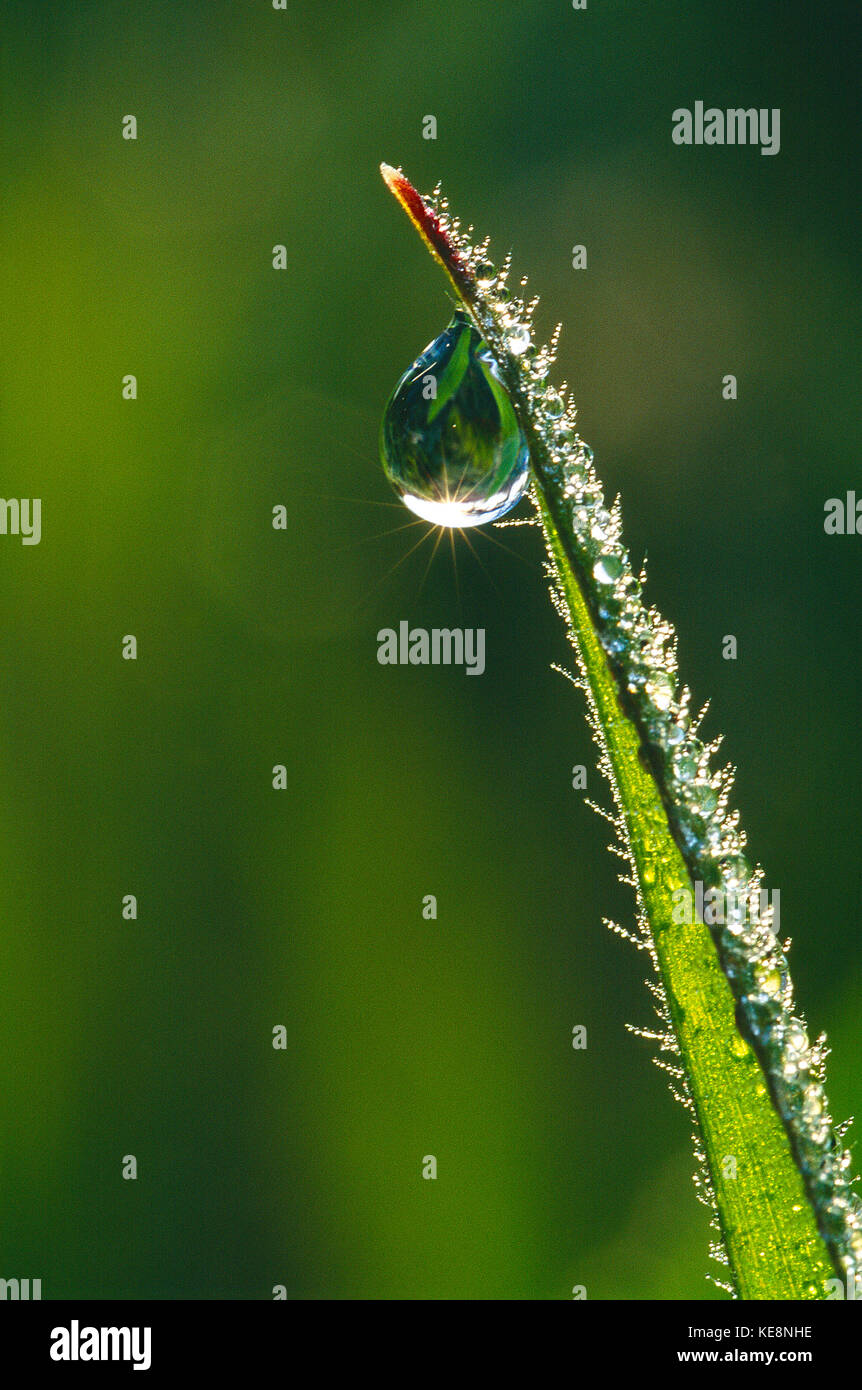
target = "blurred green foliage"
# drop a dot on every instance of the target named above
(258, 647)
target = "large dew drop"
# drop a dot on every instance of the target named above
(450, 441)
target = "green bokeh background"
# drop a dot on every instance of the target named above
(258, 647)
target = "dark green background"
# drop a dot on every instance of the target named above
(258, 647)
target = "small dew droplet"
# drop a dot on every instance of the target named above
(518, 339)
(608, 569)
(684, 767)
(660, 690)
(704, 799)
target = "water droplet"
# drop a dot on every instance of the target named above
(659, 688)
(684, 767)
(704, 799)
(736, 870)
(450, 440)
(608, 569)
(539, 369)
(812, 1106)
(486, 274)
(768, 981)
(736, 923)
(518, 339)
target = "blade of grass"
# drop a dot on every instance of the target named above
(766, 1224)
(770, 1164)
